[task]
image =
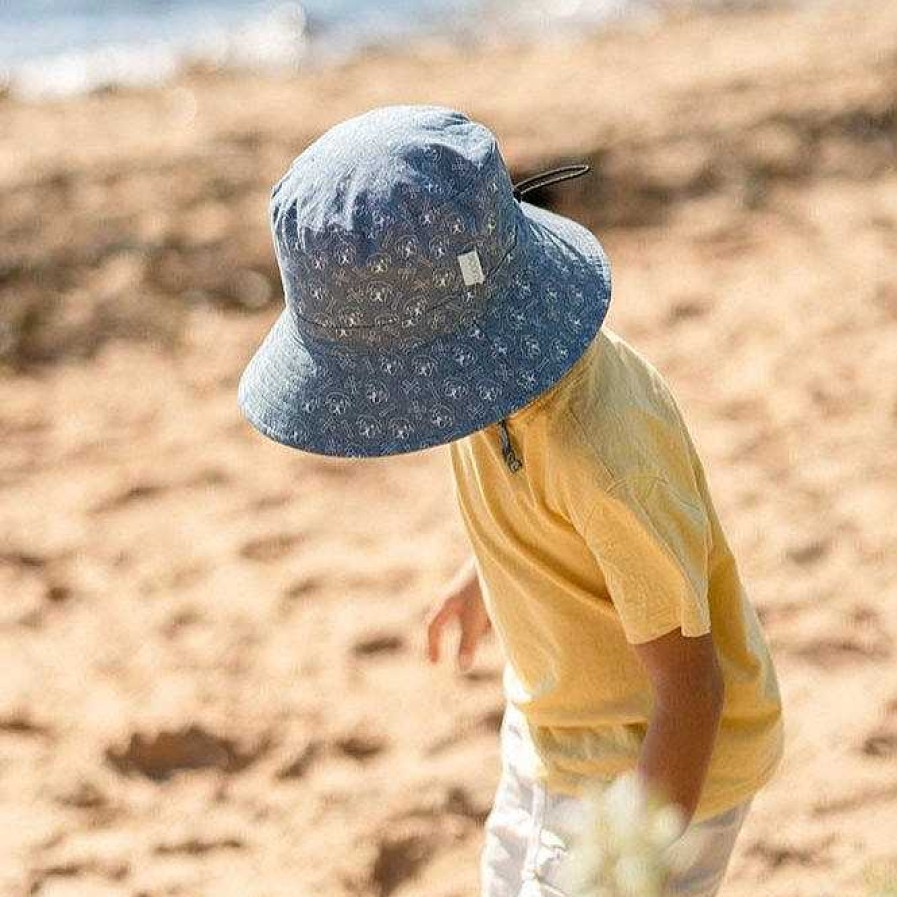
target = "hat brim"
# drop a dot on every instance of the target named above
(353, 402)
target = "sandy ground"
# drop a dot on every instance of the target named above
(212, 648)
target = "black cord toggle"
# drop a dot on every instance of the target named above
(514, 463)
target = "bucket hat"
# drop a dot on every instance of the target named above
(424, 298)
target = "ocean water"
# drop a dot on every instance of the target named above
(59, 47)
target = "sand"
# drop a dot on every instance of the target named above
(213, 648)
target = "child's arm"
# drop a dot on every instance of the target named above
(688, 699)
(463, 600)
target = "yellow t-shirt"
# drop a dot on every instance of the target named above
(608, 537)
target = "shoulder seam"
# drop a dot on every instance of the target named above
(670, 555)
(663, 481)
(588, 442)
(605, 469)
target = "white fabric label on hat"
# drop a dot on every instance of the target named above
(471, 269)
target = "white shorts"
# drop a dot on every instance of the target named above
(528, 830)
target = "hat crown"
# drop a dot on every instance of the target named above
(370, 220)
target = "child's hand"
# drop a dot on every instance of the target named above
(462, 601)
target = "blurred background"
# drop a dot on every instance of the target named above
(212, 646)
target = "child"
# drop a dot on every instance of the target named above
(426, 303)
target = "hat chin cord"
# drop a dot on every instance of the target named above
(520, 189)
(550, 176)
(507, 449)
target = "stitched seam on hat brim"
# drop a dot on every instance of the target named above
(279, 433)
(531, 224)
(336, 346)
(435, 308)
(508, 408)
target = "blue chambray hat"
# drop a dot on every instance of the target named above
(423, 299)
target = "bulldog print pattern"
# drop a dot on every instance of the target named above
(382, 348)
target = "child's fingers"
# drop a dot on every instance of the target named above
(473, 625)
(467, 645)
(437, 621)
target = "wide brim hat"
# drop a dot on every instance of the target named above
(415, 317)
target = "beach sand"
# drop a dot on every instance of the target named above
(213, 648)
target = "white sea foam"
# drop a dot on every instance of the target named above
(55, 48)
(275, 40)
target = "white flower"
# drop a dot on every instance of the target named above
(621, 848)
(635, 875)
(665, 827)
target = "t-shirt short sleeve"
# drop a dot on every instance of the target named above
(652, 544)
